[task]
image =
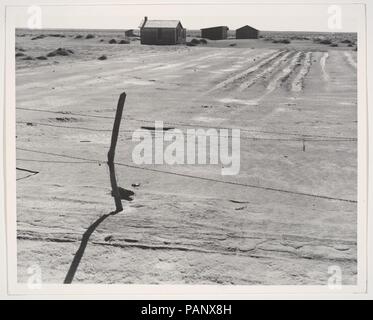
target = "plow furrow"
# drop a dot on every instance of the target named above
(270, 69)
(248, 71)
(285, 73)
(298, 83)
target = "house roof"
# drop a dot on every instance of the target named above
(215, 27)
(161, 24)
(246, 27)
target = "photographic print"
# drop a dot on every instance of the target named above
(187, 144)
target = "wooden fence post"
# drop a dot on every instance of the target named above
(111, 153)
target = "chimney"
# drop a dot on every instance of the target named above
(144, 22)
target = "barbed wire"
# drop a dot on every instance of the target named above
(193, 177)
(300, 138)
(193, 125)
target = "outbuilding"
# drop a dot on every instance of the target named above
(247, 32)
(215, 33)
(162, 32)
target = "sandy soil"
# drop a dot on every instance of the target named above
(288, 216)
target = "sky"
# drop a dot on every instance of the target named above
(274, 17)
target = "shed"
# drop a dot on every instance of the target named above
(215, 33)
(162, 32)
(247, 32)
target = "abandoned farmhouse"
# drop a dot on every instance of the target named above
(162, 32)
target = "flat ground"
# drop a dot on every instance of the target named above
(289, 215)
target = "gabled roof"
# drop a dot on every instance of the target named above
(246, 27)
(215, 27)
(162, 24)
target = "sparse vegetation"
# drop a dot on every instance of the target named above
(195, 41)
(103, 57)
(299, 38)
(124, 42)
(41, 58)
(57, 35)
(326, 41)
(113, 41)
(38, 37)
(90, 36)
(60, 52)
(322, 41)
(284, 41)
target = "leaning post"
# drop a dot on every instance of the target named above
(111, 153)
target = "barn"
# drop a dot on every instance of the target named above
(247, 32)
(215, 33)
(162, 32)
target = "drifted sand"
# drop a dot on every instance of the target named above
(285, 219)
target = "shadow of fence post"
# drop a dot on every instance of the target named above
(83, 244)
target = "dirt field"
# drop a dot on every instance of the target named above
(285, 219)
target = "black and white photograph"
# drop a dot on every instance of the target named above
(192, 144)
